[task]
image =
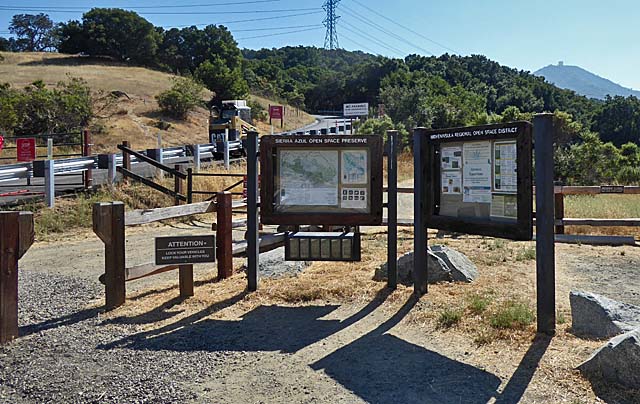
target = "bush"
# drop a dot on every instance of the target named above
(183, 97)
(38, 109)
(513, 315)
(449, 317)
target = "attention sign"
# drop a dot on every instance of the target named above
(360, 109)
(1, 142)
(26, 149)
(185, 250)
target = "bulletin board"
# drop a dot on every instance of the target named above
(479, 180)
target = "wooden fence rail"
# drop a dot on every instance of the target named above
(16, 236)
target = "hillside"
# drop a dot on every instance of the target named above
(132, 119)
(583, 82)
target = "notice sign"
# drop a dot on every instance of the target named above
(26, 149)
(361, 109)
(1, 142)
(185, 250)
(276, 111)
(476, 182)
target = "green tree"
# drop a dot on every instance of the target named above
(34, 32)
(183, 97)
(112, 32)
(225, 83)
(618, 120)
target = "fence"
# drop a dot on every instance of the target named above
(110, 220)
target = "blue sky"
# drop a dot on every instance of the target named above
(600, 36)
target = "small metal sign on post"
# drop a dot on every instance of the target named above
(26, 149)
(185, 250)
(276, 112)
(1, 142)
(356, 109)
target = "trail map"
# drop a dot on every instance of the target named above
(309, 178)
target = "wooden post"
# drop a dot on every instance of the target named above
(186, 280)
(16, 236)
(253, 253)
(392, 211)
(178, 185)
(189, 185)
(545, 240)
(108, 224)
(86, 152)
(420, 253)
(224, 236)
(126, 160)
(559, 211)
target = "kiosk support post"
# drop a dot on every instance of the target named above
(420, 227)
(545, 247)
(253, 254)
(392, 210)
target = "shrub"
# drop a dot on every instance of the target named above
(449, 317)
(183, 97)
(513, 314)
(479, 303)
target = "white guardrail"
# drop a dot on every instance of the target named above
(44, 168)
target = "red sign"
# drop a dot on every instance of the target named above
(1, 142)
(276, 111)
(26, 149)
(244, 185)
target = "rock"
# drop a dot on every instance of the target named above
(618, 361)
(272, 265)
(595, 316)
(445, 265)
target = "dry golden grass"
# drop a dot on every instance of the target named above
(495, 349)
(132, 119)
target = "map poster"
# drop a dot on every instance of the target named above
(308, 178)
(451, 182)
(505, 167)
(354, 198)
(354, 167)
(477, 172)
(504, 206)
(451, 158)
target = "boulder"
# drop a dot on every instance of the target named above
(595, 316)
(445, 265)
(272, 265)
(618, 361)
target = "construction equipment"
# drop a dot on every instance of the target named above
(234, 116)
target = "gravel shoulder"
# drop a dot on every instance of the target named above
(253, 350)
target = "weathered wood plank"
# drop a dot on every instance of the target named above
(9, 249)
(267, 242)
(224, 236)
(102, 221)
(599, 222)
(115, 289)
(235, 224)
(27, 233)
(144, 216)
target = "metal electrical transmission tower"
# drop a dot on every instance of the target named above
(331, 38)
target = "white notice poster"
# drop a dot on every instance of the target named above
(505, 206)
(354, 198)
(451, 182)
(308, 178)
(505, 167)
(354, 167)
(477, 172)
(451, 158)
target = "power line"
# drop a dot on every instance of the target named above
(276, 28)
(360, 45)
(370, 38)
(280, 33)
(331, 37)
(241, 21)
(397, 24)
(383, 30)
(163, 6)
(48, 10)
